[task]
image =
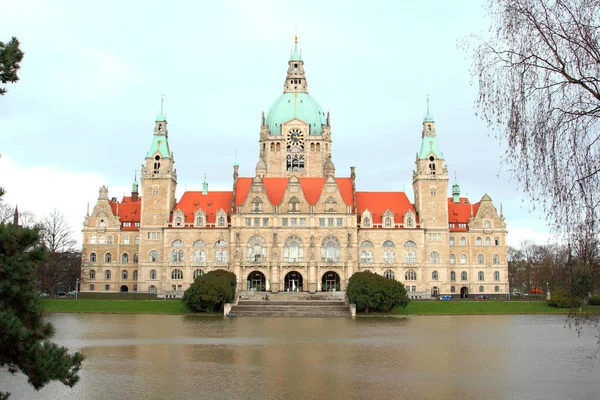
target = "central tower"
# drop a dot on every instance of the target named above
(295, 137)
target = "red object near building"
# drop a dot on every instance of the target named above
(535, 290)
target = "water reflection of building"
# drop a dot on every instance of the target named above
(295, 225)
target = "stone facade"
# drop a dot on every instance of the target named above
(295, 225)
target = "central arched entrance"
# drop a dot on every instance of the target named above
(257, 281)
(293, 282)
(330, 281)
(124, 288)
(464, 292)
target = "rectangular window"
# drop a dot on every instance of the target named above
(248, 222)
(302, 221)
(265, 221)
(340, 222)
(321, 221)
(284, 222)
(329, 221)
(256, 221)
(126, 223)
(451, 225)
(439, 236)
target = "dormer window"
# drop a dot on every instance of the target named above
(257, 205)
(366, 222)
(178, 221)
(221, 218)
(330, 205)
(294, 205)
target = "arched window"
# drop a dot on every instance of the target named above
(106, 288)
(481, 276)
(366, 222)
(452, 276)
(463, 258)
(221, 221)
(125, 239)
(101, 223)
(388, 222)
(257, 249)
(107, 257)
(496, 259)
(496, 275)
(153, 256)
(152, 274)
(221, 251)
(463, 276)
(488, 241)
(92, 239)
(155, 191)
(197, 273)
(199, 221)
(496, 289)
(152, 289)
(478, 241)
(101, 240)
(388, 252)
(480, 289)
(92, 274)
(410, 256)
(330, 249)
(434, 257)
(480, 259)
(434, 276)
(178, 221)
(177, 243)
(136, 258)
(92, 287)
(451, 241)
(293, 250)
(388, 274)
(452, 259)
(487, 225)
(135, 275)
(124, 275)
(294, 205)
(109, 239)
(106, 275)
(463, 241)
(198, 256)
(409, 222)
(92, 257)
(136, 240)
(496, 241)
(177, 274)
(124, 258)
(410, 275)
(366, 252)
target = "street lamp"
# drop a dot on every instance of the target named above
(76, 288)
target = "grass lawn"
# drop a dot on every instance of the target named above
(115, 306)
(489, 307)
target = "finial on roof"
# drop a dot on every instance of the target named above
(205, 186)
(161, 116)
(235, 160)
(296, 54)
(428, 117)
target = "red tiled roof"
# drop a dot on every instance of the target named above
(379, 202)
(129, 211)
(275, 188)
(460, 212)
(210, 203)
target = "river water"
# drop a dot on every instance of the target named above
(417, 357)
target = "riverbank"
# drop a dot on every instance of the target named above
(491, 307)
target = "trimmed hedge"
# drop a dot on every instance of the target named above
(210, 291)
(595, 301)
(564, 299)
(372, 292)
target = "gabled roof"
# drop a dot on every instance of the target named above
(210, 203)
(276, 187)
(378, 202)
(129, 211)
(460, 212)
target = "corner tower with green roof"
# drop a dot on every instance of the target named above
(295, 135)
(430, 180)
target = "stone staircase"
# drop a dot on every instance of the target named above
(300, 304)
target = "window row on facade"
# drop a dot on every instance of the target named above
(478, 241)
(109, 239)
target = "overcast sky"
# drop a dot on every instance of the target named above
(83, 113)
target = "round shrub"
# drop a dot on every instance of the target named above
(563, 299)
(210, 291)
(372, 292)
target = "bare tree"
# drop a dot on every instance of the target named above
(539, 89)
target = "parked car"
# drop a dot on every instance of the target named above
(72, 293)
(43, 295)
(446, 297)
(535, 290)
(517, 294)
(481, 297)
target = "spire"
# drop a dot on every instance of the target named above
(204, 186)
(235, 160)
(16, 216)
(428, 116)
(160, 117)
(455, 191)
(295, 80)
(134, 188)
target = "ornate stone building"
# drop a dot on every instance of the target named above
(295, 225)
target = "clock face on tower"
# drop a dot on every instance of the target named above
(295, 138)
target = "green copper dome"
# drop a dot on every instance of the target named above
(296, 105)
